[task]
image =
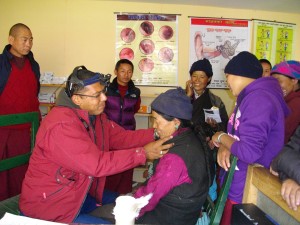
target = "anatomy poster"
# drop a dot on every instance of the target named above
(273, 41)
(218, 40)
(150, 42)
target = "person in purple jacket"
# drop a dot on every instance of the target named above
(256, 126)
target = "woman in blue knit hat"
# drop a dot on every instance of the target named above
(288, 75)
(180, 181)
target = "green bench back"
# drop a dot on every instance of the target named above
(11, 205)
(13, 119)
(215, 211)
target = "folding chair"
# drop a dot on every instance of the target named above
(11, 205)
(215, 211)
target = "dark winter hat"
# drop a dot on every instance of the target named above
(202, 65)
(290, 68)
(174, 103)
(244, 64)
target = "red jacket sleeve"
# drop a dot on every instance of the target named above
(119, 138)
(78, 153)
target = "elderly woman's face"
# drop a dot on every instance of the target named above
(287, 84)
(162, 126)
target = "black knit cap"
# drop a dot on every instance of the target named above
(244, 64)
(202, 65)
(175, 103)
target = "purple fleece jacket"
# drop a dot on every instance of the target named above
(258, 128)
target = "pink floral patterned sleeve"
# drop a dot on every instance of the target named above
(170, 172)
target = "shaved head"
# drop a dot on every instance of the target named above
(15, 28)
(21, 40)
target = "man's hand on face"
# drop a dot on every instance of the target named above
(157, 149)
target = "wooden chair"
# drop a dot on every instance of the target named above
(11, 205)
(215, 211)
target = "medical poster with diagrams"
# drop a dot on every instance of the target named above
(150, 42)
(273, 40)
(218, 40)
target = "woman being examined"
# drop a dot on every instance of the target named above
(180, 180)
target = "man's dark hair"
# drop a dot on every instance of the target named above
(266, 61)
(75, 80)
(14, 29)
(124, 61)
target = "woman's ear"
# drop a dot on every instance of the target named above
(177, 123)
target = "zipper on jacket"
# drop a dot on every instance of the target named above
(91, 181)
(97, 182)
(102, 150)
(102, 133)
(121, 110)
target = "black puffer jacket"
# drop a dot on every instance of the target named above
(287, 163)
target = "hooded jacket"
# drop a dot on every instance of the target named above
(71, 157)
(257, 124)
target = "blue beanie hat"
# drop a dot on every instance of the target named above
(290, 68)
(202, 65)
(175, 103)
(244, 64)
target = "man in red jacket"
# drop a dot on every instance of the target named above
(19, 88)
(71, 159)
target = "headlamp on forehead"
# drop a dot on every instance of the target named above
(74, 83)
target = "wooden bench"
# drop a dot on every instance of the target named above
(263, 189)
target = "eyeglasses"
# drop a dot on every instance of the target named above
(94, 96)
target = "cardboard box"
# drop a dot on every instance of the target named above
(250, 214)
(145, 109)
(47, 97)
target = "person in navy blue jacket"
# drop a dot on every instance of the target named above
(19, 88)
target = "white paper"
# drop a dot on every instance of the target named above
(212, 113)
(127, 208)
(11, 219)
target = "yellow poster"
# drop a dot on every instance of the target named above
(264, 42)
(273, 41)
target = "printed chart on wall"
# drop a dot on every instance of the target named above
(273, 41)
(218, 40)
(150, 42)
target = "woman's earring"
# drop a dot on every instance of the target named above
(156, 135)
(176, 126)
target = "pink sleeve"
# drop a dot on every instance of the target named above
(170, 172)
